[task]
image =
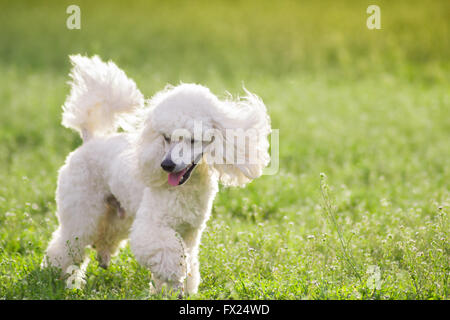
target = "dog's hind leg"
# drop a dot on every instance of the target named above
(66, 251)
(108, 238)
(80, 207)
(112, 229)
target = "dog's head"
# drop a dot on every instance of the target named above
(188, 126)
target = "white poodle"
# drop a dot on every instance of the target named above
(145, 172)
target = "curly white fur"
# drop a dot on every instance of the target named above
(113, 187)
(100, 93)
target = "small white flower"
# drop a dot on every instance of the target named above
(75, 280)
(374, 279)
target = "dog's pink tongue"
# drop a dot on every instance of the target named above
(175, 177)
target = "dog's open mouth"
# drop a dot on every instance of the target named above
(179, 178)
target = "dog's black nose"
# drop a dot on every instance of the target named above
(168, 165)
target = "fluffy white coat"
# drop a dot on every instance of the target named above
(163, 223)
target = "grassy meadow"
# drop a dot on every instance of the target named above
(360, 206)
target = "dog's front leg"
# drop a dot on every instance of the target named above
(158, 247)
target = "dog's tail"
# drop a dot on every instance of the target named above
(101, 96)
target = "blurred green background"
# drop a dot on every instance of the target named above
(369, 108)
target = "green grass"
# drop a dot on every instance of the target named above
(369, 109)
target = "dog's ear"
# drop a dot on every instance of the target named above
(243, 127)
(150, 152)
